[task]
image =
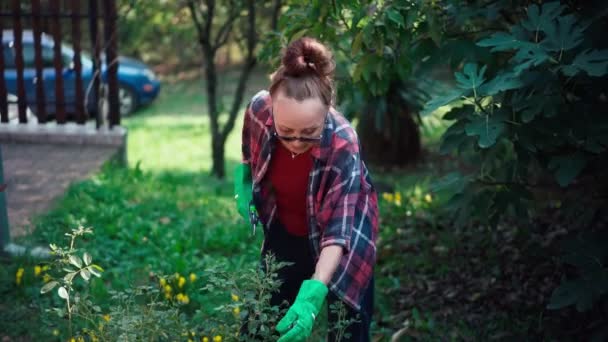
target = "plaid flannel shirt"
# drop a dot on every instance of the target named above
(342, 204)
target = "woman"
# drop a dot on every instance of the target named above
(303, 179)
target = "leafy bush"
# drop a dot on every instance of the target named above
(534, 132)
(149, 312)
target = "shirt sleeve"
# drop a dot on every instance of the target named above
(246, 135)
(341, 200)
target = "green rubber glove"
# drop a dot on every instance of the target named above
(297, 323)
(242, 189)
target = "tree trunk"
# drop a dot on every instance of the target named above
(218, 168)
(397, 143)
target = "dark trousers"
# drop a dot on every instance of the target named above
(294, 249)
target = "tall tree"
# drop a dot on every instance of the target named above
(218, 23)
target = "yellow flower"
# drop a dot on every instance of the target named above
(235, 297)
(192, 277)
(106, 317)
(46, 278)
(205, 339)
(190, 340)
(37, 270)
(398, 199)
(180, 297)
(55, 332)
(217, 338)
(236, 310)
(167, 295)
(46, 267)
(181, 282)
(73, 340)
(168, 289)
(80, 339)
(387, 196)
(19, 275)
(162, 282)
(428, 198)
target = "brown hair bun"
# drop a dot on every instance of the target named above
(306, 56)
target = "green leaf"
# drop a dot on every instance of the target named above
(452, 182)
(94, 271)
(487, 127)
(443, 100)
(539, 22)
(593, 62)
(470, 78)
(501, 41)
(567, 167)
(357, 42)
(75, 260)
(396, 17)
(85, 274)
(48, 286)
(502, 82)
(563, 34)
(528, 57)
(63, 293)
(69, 277)
(564, 295)
(87, 258)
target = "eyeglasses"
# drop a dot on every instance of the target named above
(302, 139)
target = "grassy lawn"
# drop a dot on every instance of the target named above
(164, 214)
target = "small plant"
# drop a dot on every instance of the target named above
(342, 324)
(66, 261)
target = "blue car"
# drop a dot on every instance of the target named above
(138, 85)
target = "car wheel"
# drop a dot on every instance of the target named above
(127, 100)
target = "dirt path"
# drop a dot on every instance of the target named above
(36, 175)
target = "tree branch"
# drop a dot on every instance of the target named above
(249, 64)
(276, 11)
(197, 23)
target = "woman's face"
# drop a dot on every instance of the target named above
(303, 119)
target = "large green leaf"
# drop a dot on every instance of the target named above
(501, 41)
(569, 293)
(470, 77)
(502, 82)
(563, 34)
(567, 167)
(443, 100)
(593, 62)
(487, 127)
(528, 56)
(538, 21)
(395, 17)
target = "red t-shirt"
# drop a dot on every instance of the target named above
(289, 178)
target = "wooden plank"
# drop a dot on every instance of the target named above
(79, 100)
(95, 47)
(3, 93)
(111, 38)
(19, 65)
(40, 96)
(57, 62)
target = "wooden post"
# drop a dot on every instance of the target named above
(95, 58)
(79, 103)
(111, 38)
(58, 63)
(17, 38)
(3, 93)
(4, 232)
(40, 96)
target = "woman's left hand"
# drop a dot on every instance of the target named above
(297, 323)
